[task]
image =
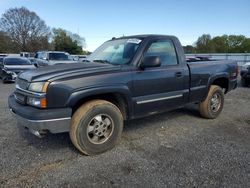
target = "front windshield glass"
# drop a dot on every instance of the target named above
(16, 61)
(116, 52)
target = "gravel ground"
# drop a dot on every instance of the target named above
(174, 149)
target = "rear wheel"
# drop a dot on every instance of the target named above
(212, 106)
(96, 127)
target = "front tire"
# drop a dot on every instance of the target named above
(96, 127)
(212, 106)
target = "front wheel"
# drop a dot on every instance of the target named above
(212, 106)
(96, 127)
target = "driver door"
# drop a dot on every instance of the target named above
(157, 89)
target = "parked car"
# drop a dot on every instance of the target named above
(127, 78)
(2, 56)
(45, 58)
(245, 75)
(11, 66)
(82, 58)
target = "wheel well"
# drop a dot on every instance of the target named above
(115, 98)
(222, 82)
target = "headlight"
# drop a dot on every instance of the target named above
(37, 102)
(9, 72)
(38, 86)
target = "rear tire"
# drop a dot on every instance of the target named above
(212, 106)
(96, 127)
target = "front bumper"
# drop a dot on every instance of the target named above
(40, 120)
(9, 77)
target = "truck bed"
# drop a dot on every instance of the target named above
(201, 72)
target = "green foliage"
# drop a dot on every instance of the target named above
(220, 44)
(203, 44)
(63, 42)
(6, 44)
(189, 49)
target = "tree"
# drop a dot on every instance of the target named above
(25, 28)
(189, 49)
(203, 44)
(6, 45)
(246, 45)
(235, 43)
(223, 44)
(75, 37)
(219, 44)
(63, 42)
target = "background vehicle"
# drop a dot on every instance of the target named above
(2, 56)
(245, 75)
(82, 57)
(127, 78)
(45, 58)
(11, 66)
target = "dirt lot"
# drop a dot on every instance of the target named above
(174, 149)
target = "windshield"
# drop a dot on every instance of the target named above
(60, 56)
(116, 52)
(16, 61)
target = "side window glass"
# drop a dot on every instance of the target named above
(164, 50)
(39, 55)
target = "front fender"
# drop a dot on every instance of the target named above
(123, 90)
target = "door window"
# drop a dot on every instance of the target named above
(164, 50)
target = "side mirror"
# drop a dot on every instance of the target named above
(150, 61)
(36, 65)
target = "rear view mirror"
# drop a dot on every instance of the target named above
(150, 61)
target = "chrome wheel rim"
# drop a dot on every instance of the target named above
(215, 102)
(100, 128)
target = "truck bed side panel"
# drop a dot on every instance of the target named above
(202, 75)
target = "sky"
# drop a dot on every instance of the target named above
(98, 21)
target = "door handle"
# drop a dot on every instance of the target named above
(178, 74)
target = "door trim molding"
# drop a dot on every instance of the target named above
(159, 99)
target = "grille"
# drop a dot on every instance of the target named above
(22, 83)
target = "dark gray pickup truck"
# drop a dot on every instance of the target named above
(125, 78)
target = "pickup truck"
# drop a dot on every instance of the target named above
(125, 78)
(45, 58)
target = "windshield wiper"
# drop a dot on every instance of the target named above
(101, 61)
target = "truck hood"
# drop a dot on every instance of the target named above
(64, 71)
(18, 68)
(53, 62)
